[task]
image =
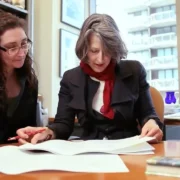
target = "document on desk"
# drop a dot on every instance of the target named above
(129, 145)
(14, 161)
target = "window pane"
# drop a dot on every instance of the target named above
(159, 30)
(159, 9)
(160, 52)
(175, 75)
(145, 53)
(169, 74)
(138, 34)
(174, 29)
(173, 7)
(144, 13)
(167, 51)
(145, 33)
(161, 74)
(167, 29)
(148, 75)
(166, 8)
(174, 51)
(138, 13)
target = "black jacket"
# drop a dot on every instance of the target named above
(130, 99)
(20, 114)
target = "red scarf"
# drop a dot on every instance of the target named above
(108, 75)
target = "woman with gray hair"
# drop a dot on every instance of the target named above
(109, 96)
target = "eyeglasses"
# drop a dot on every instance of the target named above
(13, 51)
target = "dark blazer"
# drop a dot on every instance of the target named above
(130, 99)
(22, 113)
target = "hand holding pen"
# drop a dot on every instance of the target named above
(28, 133)
(34, 134)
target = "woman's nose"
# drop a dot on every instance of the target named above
(100, 58)
(21, 52)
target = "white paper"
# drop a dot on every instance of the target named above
(129, 145)
(142, 148)
(139, 153)
(14, 161)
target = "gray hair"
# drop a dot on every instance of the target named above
(106, 29)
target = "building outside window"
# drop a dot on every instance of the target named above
(148, 28)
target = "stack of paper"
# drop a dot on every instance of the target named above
(133, 145)
(15, 161)
(85, 156)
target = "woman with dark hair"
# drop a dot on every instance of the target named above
(109, 96)
(18, 82)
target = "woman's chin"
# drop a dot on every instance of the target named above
(18, 65)
(98, 70)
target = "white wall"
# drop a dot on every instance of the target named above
(47, 23)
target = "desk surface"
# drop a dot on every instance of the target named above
(171, 121)
(136, 165)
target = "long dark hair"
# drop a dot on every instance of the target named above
(9, 21)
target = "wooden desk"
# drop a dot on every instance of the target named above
(135, 164)
(171, 122)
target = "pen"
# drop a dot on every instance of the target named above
(30, 133)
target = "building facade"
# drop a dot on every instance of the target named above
(152, 39)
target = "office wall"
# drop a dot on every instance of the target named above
(46, 49)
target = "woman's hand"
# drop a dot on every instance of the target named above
(151, 129)
(28, 134)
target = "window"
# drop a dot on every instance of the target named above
(139, 13)
(168, 74)
(174, 51)
(159, 54)
(161, 74)
(167, 29)
(144, 13)
(148, 75)
(143, 54)
(175, 73)
(160, 9)
(174, 29)
(164, 74)
(165, 8)
(166, 52)
(173, 7)
(139, 33)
